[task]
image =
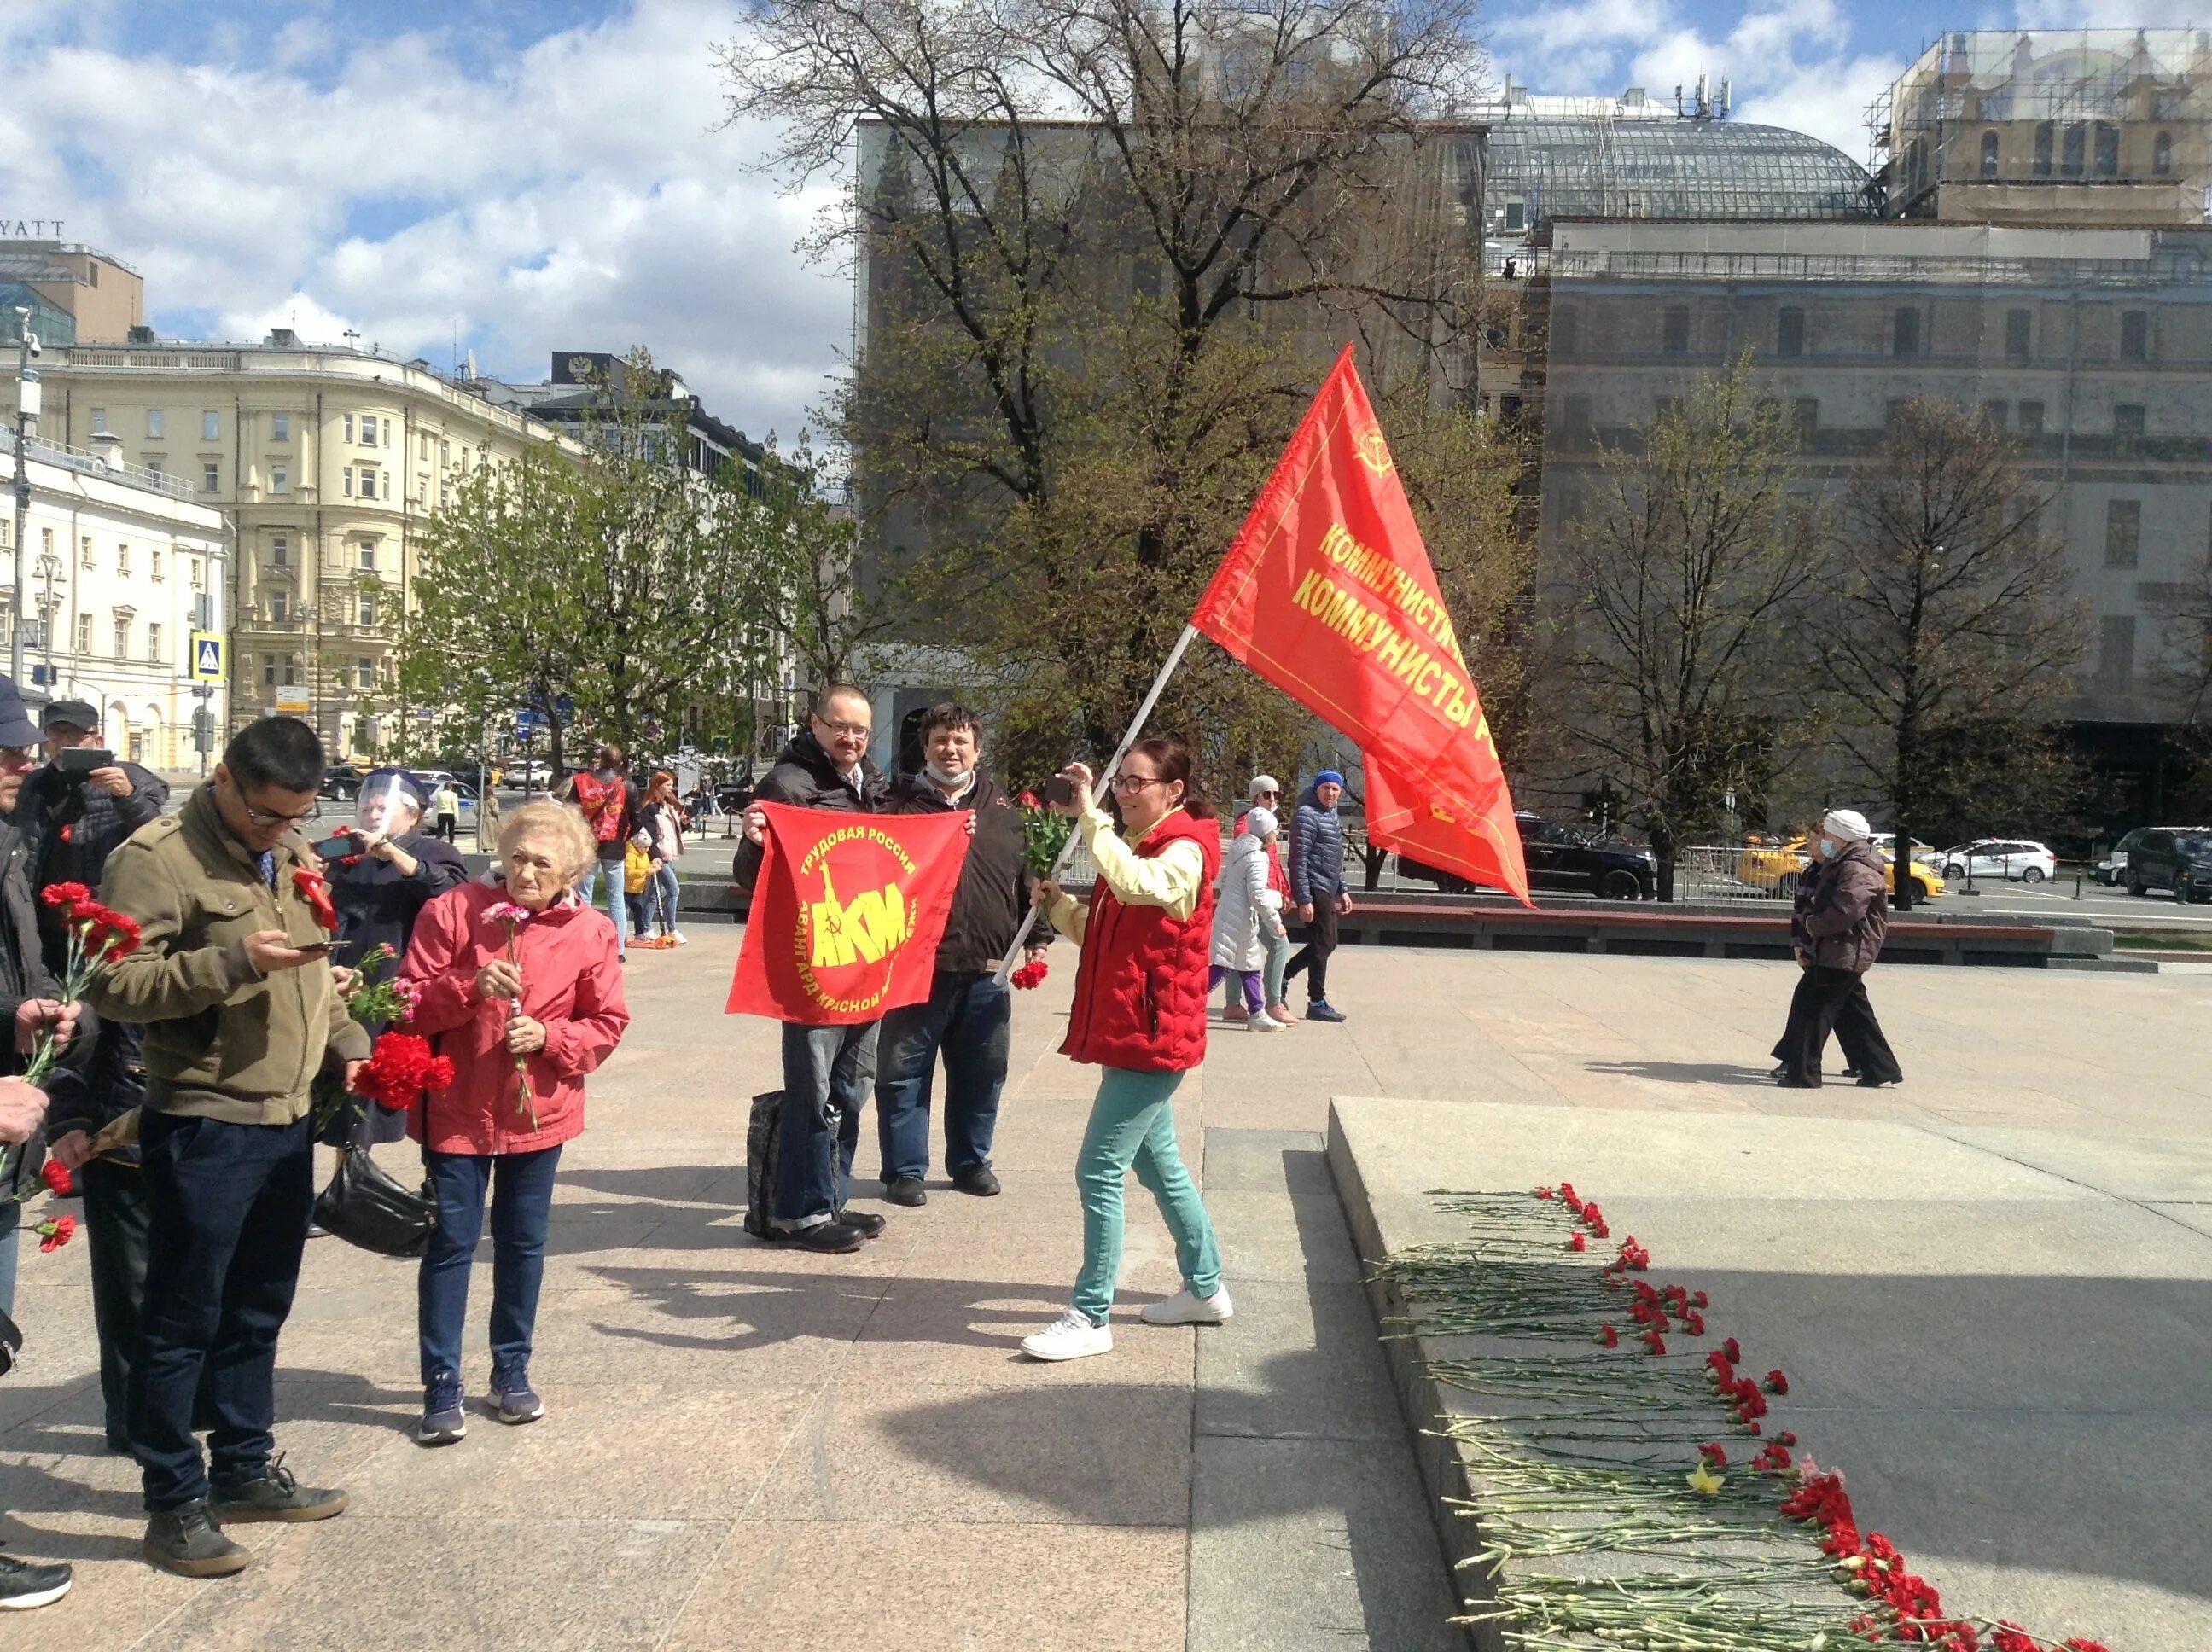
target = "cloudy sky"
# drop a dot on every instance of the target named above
(515, 177)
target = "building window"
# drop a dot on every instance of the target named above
(1904, 333)
(2031, 418)
(2043, 141)
(2019, 332)
(2123, 532)
(211, 477)
(84, 633)
(211, 426)
(445, 453)
(280, 479)
(153, 467)
(2161, 155)
(368, 609)
(2108, 150)
(123, 559)
(280, 552)
(368, 429)
(367, 553)
(1805, 411)
(2075, 151)
(1790, 333)
(1989, 155)
(1677, 338)
(367, 483)
(99, 421)
(154, 563)
(269, 672)
(196, 572)
(1580, 424)
(291, 671)
(2116, 653)
(280, 427)
(1993, 414)
(347, 474)
(154, 421)
(123, 639)
(365, 673)
(84, 551)
(154, 644)
(2135, 335)
(280, 606)
(2127, 420)
(349, 429)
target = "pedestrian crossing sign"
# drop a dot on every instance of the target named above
(210, 664)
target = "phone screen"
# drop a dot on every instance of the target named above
(1060, 790)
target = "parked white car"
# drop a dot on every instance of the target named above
(2001, 859)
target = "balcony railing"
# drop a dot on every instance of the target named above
(87, 463)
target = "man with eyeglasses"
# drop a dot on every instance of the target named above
(232, 984)
(828, 1072)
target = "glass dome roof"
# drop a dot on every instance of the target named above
(1582, 167)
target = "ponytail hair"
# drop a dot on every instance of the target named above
(1172, 758)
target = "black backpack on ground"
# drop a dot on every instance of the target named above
(763, 1134)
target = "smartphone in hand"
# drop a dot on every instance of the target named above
(1060, 790)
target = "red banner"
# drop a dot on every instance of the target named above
(847, 914)
(1329, 593)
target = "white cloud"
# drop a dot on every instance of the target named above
(570, 196)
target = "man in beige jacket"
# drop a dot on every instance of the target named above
(232, 984)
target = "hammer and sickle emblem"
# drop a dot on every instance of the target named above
(1374, 451)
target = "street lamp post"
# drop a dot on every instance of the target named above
(27, 415)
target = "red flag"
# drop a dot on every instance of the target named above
(847, 914)
(1328, 592)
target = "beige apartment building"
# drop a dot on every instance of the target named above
(327, 459)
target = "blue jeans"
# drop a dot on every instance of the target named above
(1133, 1124)
(969, 1016)
(603, 886)
(827, 1073)
(227, 1207)
(662, 893)
(521, 1210)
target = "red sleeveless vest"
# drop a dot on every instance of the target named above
(1141, 987)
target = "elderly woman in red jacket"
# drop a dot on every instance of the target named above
(522, 988)
(1139, 1013)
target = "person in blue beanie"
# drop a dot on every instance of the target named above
(1317, 888)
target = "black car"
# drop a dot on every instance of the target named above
(1561, 858)
(2167, 859)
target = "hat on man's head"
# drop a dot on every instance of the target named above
(1847, 825)
(17, 727)
(1264, 783)
(69, 713)
(1328, 777)
(1260, 822)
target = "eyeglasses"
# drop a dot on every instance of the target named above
(1267, 794)
(1135, 783)
(268, 817)
(858, 730)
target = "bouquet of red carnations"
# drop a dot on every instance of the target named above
(98, 935)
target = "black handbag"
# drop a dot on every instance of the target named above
(365, 1207)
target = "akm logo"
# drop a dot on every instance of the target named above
(846, 948)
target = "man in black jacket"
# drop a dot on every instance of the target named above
(969, 1013)
(827, 1071)
(72, 820)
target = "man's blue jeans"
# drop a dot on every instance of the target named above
(522, 1189)
(603, 886)
(969, 1016)
(827, 1073)
(227, 1207)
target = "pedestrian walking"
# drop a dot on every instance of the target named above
(828, 1072)
(1845, 921)
(1141, 990)
(447, 802)
(1242, 922)
(661, 819)
(380, 888)
(1801, 1000)
(524, 1007)
(609, 801)
(234, 986)
(967, 1016)
(72, 819)
(1317, 888)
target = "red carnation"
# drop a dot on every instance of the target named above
(1543, 1193)
(63, 894)
(1698, 1299)
(1609, 1336)
(1577, 1242)
(1714, 1454)
(1695, 1323)
(1733, 1352)
(1777, 1383)
(1655, 1342)
(400, 1067)
(55, 1233)
(58, 1180)
(1028, 974)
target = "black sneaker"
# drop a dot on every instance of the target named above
(27, 1583)
(1321, 1009)
(832, 1236)
(978, 1181)
(188, 1542)
(871, 1225)
(443, 1419)
(276, 1494)
(518, 1404)
(905, 1190)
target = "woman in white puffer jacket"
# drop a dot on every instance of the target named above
(1243, 917)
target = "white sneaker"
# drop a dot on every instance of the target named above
(677, 938)
(1184, 1309)
(1262, 1022)
(1072, 1336)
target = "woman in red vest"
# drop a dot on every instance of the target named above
(1139, 1012)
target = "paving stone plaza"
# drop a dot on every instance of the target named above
(1988, 1287)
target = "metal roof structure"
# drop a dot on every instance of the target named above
(1595, 166)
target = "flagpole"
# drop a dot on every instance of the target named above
(1136, 727)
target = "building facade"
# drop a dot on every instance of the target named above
(124, 566)
(76, 295)
(327, 460)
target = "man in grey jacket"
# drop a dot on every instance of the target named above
(1844, 926)
(1317, 888)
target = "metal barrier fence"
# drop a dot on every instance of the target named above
(1737, 872)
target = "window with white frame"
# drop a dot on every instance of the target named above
(280, 606)
(368, 429)
(211, 477)
(348, 428)
(365, 677)
(84, 633)
(269, 672)
(280, 479)
(84, 551)
(123, 558)
(196, 572)
(367, 483)
(154, 644)
(154, 421)
(123, 639)
(280, 552)
(280, 427)
(99, 421)
(348, 475)
(154, 562)
(368, 609)
(367, 553)
(210, 425)
(291, 671)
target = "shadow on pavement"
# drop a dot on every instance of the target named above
(1685, 1073)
